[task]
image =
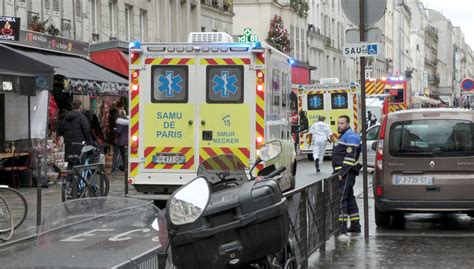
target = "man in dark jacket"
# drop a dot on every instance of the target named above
(76, 130)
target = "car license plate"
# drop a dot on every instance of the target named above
(412, 180)
(169, 159)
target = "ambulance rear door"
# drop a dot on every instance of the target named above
(169, 115)
(340, 102)
(226, 93)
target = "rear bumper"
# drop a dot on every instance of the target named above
(424, 206)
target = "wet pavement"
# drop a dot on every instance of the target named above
(415, 241)
(421, 241)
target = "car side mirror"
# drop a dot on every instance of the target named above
(374, 145)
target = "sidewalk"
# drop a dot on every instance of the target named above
(51, 196)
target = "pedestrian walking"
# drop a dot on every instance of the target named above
(117, 161)
(345, 164)
(122, 134)
(75, 130)
(320, 135)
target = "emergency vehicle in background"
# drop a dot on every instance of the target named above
(393, 88)
(330, 99)
(195, 100)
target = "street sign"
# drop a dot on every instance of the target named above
(369, 68)
(373, 11)
(361, 50)
(467, 84)
(371, 35)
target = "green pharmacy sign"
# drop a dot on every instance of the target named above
(248, 37)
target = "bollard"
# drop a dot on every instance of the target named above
(38, 193)
(125, 171)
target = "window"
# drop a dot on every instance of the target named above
(432, 138)
(397, 95)
(339, 101)
(94, 16)
(225, 84)
(143, 24)
(373, 133)
(315, 102)
(170, 84)
(66, 28)
(302, 45)
(113, 18)
(128, 22)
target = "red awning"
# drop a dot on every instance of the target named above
(113, 59)
(300, 75)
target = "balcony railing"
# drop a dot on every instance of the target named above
(224, 5)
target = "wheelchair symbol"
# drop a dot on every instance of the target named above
(372, 49)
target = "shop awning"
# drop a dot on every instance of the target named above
(26, 74)
(113, 59)
(81, 75)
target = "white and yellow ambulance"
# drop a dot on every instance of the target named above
(195, 100)
(330, 100)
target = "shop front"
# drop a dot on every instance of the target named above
(51, 73)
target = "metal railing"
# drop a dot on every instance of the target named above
(313, 211)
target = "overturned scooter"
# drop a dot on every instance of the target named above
(223, 219)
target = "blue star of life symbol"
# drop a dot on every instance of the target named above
(170, 83)
(340, 100)
(224, 84)
(315, 101)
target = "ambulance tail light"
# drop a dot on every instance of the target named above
(260, 81)
(259, 141)
(134, 80)
(130, 181)
(134, 145)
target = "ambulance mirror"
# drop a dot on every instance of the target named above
(270, 150)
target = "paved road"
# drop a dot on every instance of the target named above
(424, 241)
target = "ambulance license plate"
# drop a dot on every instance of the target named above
(169, 158)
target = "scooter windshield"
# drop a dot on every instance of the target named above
(227, 166)
(100, 232)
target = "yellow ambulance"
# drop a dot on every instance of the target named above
(209, 96)
(331, 100)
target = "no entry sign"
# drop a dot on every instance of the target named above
(467, 84)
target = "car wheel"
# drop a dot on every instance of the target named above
(382, 219)
(310, 157)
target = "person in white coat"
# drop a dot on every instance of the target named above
(321, 134)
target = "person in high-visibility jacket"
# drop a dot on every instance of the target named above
(345, 163)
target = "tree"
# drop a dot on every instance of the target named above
(278, 35)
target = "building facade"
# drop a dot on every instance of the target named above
(103, 20)
(258, 14)
(445, 52)
(326, 38)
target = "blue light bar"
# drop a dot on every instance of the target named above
(291, 61)
(256, 45)
(135, 45)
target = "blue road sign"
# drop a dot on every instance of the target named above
(467, 84)
(372, 49)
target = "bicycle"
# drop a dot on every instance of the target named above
(87, 177)
(11, 219)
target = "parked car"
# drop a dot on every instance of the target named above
(372, 138)
(424, 163)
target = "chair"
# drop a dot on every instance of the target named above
(16, 167)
